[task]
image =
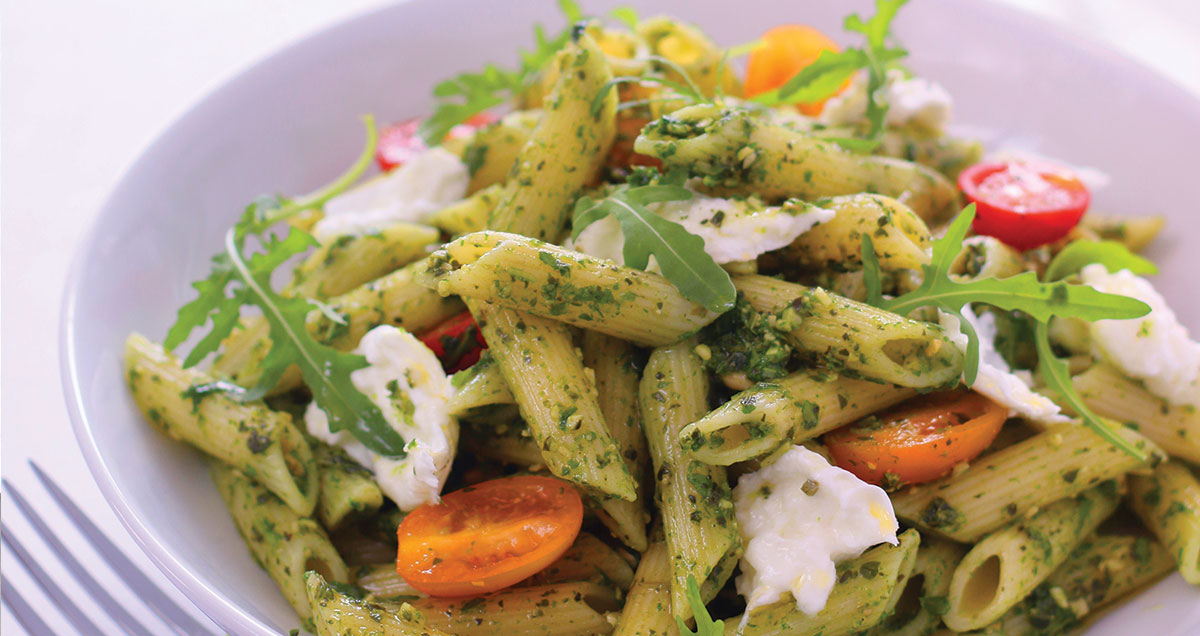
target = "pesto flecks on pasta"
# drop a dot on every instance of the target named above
(690, 335)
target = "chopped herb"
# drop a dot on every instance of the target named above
(743, 341)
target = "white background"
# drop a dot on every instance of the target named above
(87, 84)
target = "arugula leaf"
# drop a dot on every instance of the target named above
(825, 76)
(236, 281)
(1057, 376)
(326, 370)
(1023, 292)
(468, 94)
(1113, 255)
(679, 253)
(626, 15)
(705, 625)
(871, 274)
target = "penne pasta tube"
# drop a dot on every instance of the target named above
(335, 613)
(557, 399)
(923, 595)
(347, 488)
(793, 409)
(470, 214)
(1168, 502)
(528, 275)
(566, 149)
(1102, 570)
(479, 386)
(734, 151)
(1005, 566)
(560, 609)
(193, 407)
(844, 334)
(1000, 487)
(695, 500)
(349, 260)
(649, 597)
(900, 238)
(1110, 394)
(282, 542)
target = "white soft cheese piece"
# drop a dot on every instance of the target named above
(421, 186)
(795, 538)
(732, 230)
(1155, 348)
(405, 380)
(995, 379)
(914, 100)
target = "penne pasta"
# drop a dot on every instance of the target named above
(193, 407)
(842, 334)
(553, 282)
(1168, 502)
(1005, 566)
(999, 488)
(695, 500)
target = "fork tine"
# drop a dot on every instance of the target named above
(69, 609)
(22, 611)
(150, 593)
(102, 597)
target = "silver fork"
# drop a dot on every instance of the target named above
(171, 614)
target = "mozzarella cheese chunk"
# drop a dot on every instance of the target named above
(1155, 348)
(732, 230)
(418, 188)
(995, 379)
(799, 517)
(405, 380)
(914, 100)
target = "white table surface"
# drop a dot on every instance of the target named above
(87, 84)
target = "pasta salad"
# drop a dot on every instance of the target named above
(651, 336)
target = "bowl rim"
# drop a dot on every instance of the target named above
(224, 611)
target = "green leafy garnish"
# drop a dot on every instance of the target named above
(1023, 292)
(240, 278)
(1057, 376)
(626, 15)
(469, 94)
(705, 625)
(823, 77)
(679, 253)
(1112, 255)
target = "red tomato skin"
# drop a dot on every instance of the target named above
(453, 328)
(1021, 230)
(400, 142)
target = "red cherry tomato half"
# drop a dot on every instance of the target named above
(1024, 205)
(489, 536)
(457, 342)
(400, 142)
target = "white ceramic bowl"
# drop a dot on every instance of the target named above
(291, 122)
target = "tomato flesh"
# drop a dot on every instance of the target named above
(489, 536)
(786, 50)
(400, 142)
(1024, 205)
(458, 342)
(920, 440)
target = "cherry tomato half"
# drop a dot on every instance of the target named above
(400, 142)
(489, 536)
(1024, 205)
(457, 342)
(786, 50)
(919, 440)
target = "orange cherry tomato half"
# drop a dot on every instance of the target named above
(786, 50)
(920, 440)
(1024, 205)
(400, 142)
(489, 536)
